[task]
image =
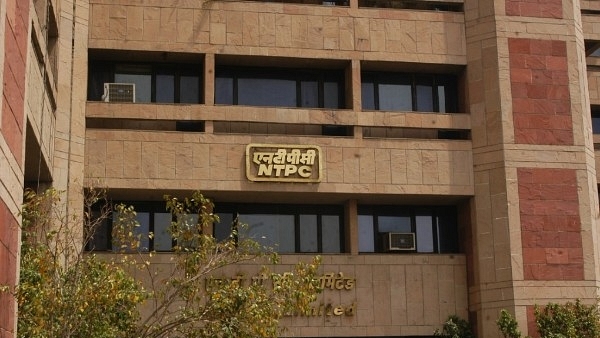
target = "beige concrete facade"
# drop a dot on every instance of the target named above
(392, 295)
(384, 160)
(516, 160)
(395, 295)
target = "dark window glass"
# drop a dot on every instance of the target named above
(154, 82)
(424, 94)
(596, 124)
(424, 233)
(596, 120)
(418, 5)
(279, 87)
(447, 93)
(224, 90)
(140, 75)
(162, 238)
(308, 233)
(368, 95)
(442, 98)
(267, 92)
(271, 231)
(286, 228)
(222, 230)
(366, 233)
(143, 85)
(190, 126)
(310, 94)
(331, 95)
(99, 238)
(165, 88)
(331, 234)
(151, 217)
(435, 228)
(446, 225)
(395, 97)
(189, 89)
(408, 92)
(394, 224)
(99, 74)
(330, 130)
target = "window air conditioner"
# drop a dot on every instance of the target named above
(119, 92)
(399, 241)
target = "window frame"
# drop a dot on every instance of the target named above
(296, 210)
(299, 75)
(595, 118)
(448, 81)
(109, 69)
(376, 211)
(151, 208)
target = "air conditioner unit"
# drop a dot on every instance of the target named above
(399, 241)
(119, 92)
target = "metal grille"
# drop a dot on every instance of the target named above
(119, 92)
(401, 241)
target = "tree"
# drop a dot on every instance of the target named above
(63, 292)
(67, 292)
(183, 307)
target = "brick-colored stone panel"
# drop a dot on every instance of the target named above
(15, 47)
(531, 326)
(20, 26)
(550, 224)
(540, 92)
(8, 266)
(535, 8)
(11, 131)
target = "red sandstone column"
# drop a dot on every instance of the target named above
(536, 194)
(14, 40)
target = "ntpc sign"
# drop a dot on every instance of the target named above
(283, 163)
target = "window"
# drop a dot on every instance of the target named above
(46, 16)
(152, 217)
(154, 82)
(286, 228)
(596, 120)
(435, 228)
(409, 92)
(279, 87)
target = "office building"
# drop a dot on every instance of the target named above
(439, 155)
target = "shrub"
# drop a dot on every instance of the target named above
(508, 325)
(570, 320)
(455, 327)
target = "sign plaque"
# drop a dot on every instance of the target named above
(283, 163)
